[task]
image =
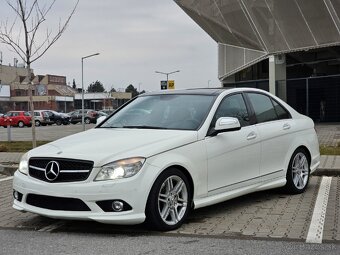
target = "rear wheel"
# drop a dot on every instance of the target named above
(58, 122)
(37, 123)
(87, 120)
(169, 201)
(298, 172)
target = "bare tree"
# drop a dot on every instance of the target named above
(27, 38)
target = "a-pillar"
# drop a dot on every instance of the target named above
(278, 76)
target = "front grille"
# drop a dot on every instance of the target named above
(70, 170)
(57, 203)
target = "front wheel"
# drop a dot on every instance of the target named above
(169, 201)
(298, 172)
(21, 124)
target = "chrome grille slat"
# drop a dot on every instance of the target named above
(37, 168)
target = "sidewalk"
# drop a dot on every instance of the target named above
(329, 165)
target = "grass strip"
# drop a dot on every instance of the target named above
(19, 146)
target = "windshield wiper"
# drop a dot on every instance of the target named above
(144, 127)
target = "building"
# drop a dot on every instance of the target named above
(290, 48)
(98, 101)
(49, 92)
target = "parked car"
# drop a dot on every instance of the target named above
(90, 116)
(16, 119)
(165, 153)
(58, 118)
(42, 118)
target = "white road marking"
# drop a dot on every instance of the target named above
(315, 231)
(6, 179)
(52, 227)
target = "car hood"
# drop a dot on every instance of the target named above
(104, 145)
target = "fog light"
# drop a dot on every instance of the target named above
(16, 194)
(117, 206)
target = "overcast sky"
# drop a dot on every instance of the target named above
(135, 38)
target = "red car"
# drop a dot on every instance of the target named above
(16, 118)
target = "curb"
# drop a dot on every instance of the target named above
(327, 172)
(8, 169)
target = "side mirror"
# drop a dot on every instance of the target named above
(225, 124)
(100, 120)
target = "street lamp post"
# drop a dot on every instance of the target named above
(82, 87)
(167, 75)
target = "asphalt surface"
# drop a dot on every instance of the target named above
(28, 242)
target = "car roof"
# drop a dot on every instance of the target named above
(203, 91)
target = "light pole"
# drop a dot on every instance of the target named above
(167, 76)
(82, 87)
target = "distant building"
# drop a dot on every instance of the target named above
(49, 92)
(98, 101)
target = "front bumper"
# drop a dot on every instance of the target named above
(134, 191)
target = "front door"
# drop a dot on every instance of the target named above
(233, 157)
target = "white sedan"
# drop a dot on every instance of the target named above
(163, 154)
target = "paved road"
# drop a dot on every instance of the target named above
(328, 134)
(47, 133)
(32, 243)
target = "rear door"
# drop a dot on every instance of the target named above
(275, 126)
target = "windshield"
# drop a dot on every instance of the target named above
(184, 112)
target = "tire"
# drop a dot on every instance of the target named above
(21, 124)
(58, 122)
(298, 172)
(163, 199)
(87, 121)
(37, 123)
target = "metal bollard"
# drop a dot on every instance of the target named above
(9, 132)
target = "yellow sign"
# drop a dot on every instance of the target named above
(171, 84)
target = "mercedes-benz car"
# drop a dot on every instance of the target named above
(164, 154)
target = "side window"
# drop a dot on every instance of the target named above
(282, 113)
(233, 106)
(28, 114)
(263, 107)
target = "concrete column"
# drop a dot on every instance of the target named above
(277, 73)
(229, 80)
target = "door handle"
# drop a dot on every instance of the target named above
(286, 126)
(251, 136)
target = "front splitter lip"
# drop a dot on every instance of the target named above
(122, 218)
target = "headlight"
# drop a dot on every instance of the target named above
(23, 165)
(120, 169)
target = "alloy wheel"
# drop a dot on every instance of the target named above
(173, 200)
(300, 170)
